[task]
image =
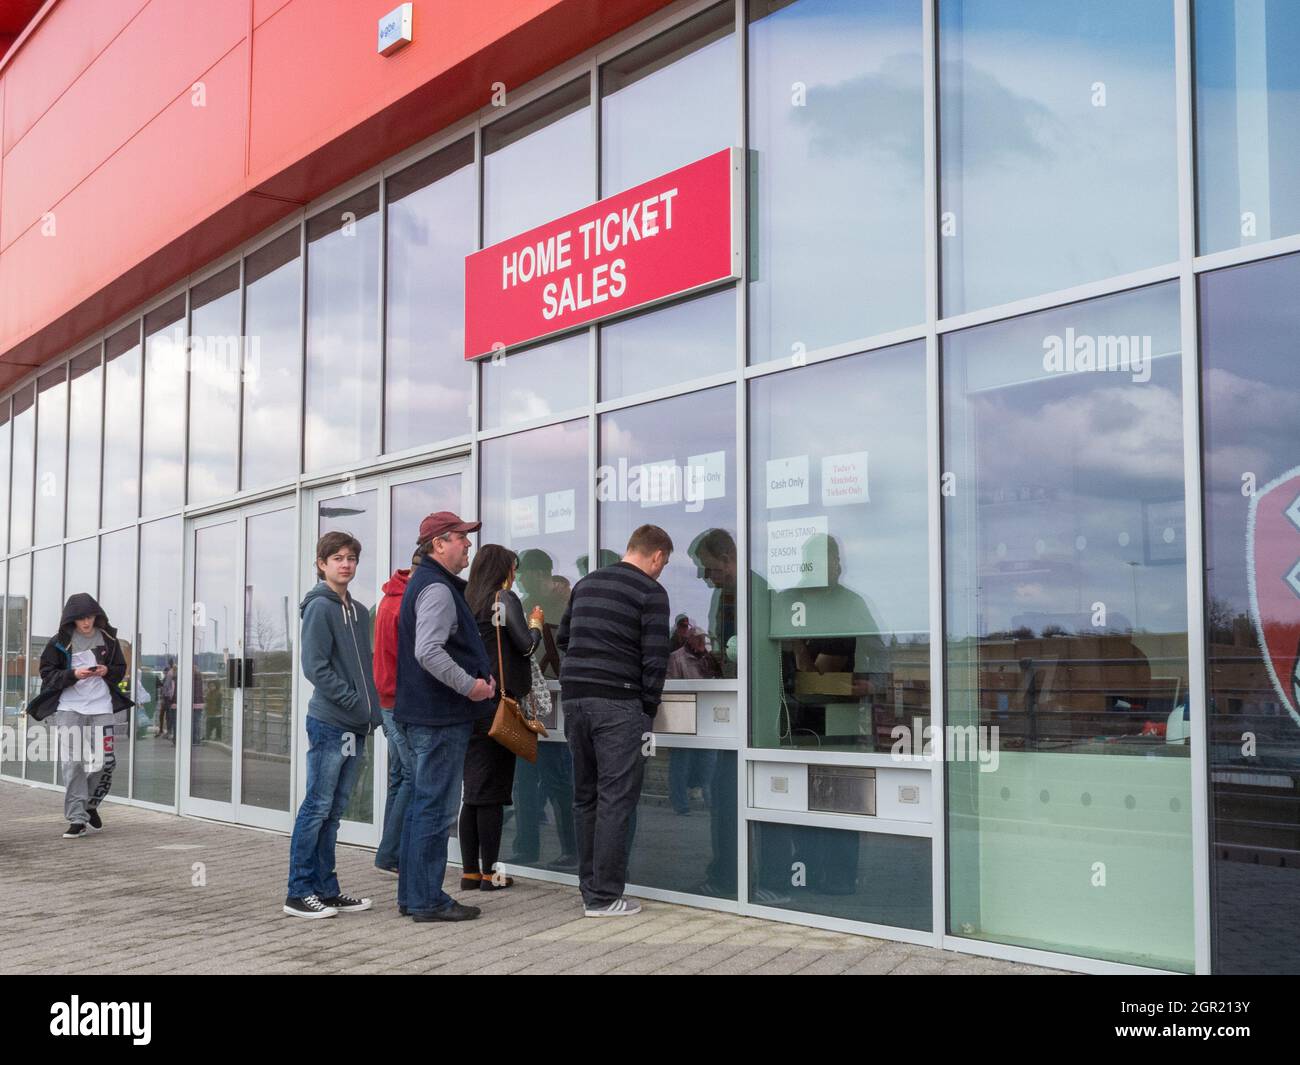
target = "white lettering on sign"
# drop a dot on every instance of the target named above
(797, 553)
(787, 482)
(523, 517)
(560, 509)
(706, 477)
(844, 479)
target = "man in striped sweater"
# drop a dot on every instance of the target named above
(615, 639)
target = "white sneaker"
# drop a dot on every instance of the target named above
(617, 908)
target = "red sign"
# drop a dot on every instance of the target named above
(664, 238)
(1273, 569)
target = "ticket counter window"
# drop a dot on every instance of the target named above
(839, 578)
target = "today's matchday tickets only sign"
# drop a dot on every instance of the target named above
(675, 234)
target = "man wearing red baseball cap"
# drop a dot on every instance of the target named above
(444, 684)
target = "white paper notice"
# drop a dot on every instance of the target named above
(523, 517)
(706, 477)
(560, 511)
(796, 553)
(660, 483)
(787, 482)
(844, 479)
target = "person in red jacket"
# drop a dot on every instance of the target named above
(399, 755)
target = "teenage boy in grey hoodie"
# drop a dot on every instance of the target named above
(344, 708)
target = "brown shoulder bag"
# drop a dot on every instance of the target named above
(509, 726)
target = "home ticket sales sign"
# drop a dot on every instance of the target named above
(676, 234)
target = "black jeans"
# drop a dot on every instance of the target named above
(606, 738)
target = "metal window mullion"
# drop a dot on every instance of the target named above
(302, 348)
(240, 375)
(139, 451)
(1195, 554)
(382, 317)
(934, 460)
(741, 399)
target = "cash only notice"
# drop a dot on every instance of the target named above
(675, 234)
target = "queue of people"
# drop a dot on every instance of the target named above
(445, 651)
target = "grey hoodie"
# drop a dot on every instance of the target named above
(337, 659)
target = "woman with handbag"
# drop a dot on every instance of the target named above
(489, 764)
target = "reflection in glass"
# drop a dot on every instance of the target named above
(216, 644)
(1057, 145)
(215, 359)
(431, 228)
(47, 608)
(272, 362)
(10, 755)
(1249, 322)
(163, 481)
(159, 652)
(693, 338)
(4, 473)
(87, 379)
(17, 606)
(357, 514)
(839, 571)
(537, 162)
(1065, 555)
(1247, 112)
(117, 597)
(857, 876)
(684, 482)
(268, 634)
(411, 502)
(81, 570)
(24, 469)
(51, 453)
(121, 501)
(535, 383)
(689, 73)
(343, 332)
(534, 501)
(836, 171)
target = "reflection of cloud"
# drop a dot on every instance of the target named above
(978, 101)
(880, 111)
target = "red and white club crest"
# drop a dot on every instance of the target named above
(1273, 569)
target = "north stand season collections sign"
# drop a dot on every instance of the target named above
(672, 235)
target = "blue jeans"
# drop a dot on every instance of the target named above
(438, 769)
(399, 794)
(331, 776)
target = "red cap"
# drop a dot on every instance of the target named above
(445, 522)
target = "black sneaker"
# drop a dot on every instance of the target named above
(95, 823)
(346, 903)
(454, 912)
(77, 831)
(309, 906)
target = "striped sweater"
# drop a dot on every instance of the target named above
(615, 637)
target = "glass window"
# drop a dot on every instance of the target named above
(534, 501)
(47, 608)
(1057, 145)
(858, 876)
(1247, 112)
(17, 607)
(343, 332)
(81, 569)
(839, 582)
(162, 484)
(837, 249)
(51, 453)
(159, 652)
(117, 597)
(216, 642)
(4, 473)
(121, 501)
(24, 469)
(1249, 322)
(531, 384)
(215, 360)
(84, 418)
(272, 362)
(431, 228)
(537, 162)
(1066, 583)
(357, 514)
(410, 503)
(540, 833)
(684, 482)
(693, 338)
(688, 73)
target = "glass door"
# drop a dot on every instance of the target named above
(232, 709)
(384, 513)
